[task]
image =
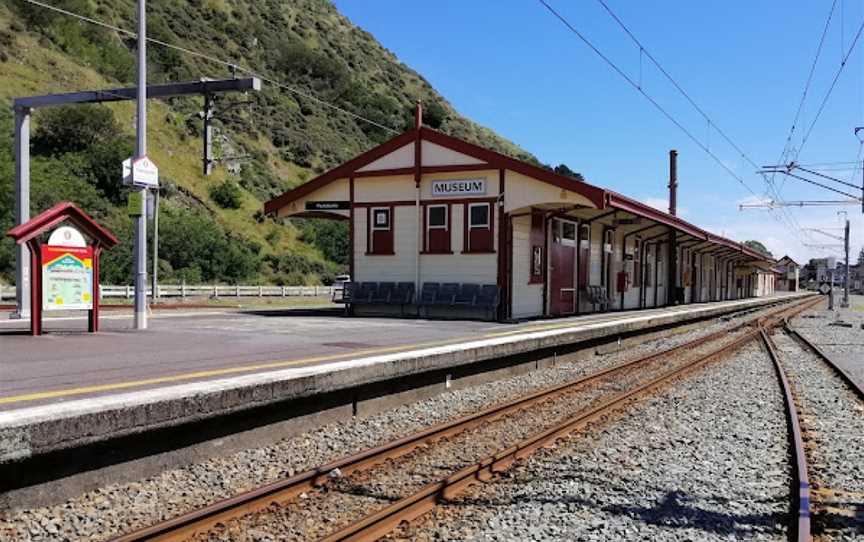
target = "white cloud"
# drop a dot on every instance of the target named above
(662, 204)
(781, 239)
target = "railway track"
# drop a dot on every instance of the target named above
(825, 413)
(406, 478)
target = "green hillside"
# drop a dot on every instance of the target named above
(212, 228)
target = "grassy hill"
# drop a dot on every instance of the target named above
(211, 227)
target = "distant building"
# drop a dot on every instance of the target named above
(787, 273)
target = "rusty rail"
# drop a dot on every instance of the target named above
(409, 508)
(286, 490)
(800, 527)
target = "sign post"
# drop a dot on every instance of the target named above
(66, 268)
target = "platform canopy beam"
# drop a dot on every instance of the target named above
(23, 108)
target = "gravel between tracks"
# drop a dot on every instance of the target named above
(117, 508)
(347, 499)
(845, 345)
(833, 425)
(705, 460)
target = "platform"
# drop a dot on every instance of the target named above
(68, 389)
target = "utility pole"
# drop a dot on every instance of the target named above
(672, 268)
(207, 116)
(846, 281)
(141, 152)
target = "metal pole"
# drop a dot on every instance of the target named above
(22, 209)
(846, 282)
(208, 134)
(140, 152)
(155, 288)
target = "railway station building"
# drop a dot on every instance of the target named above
(427, 211)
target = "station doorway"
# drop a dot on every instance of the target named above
(562, 267)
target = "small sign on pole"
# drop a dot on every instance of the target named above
(134, 206)
(140, 172)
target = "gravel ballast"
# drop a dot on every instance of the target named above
(704, 460)
(117, 508)
(347, 499)
(839, 334)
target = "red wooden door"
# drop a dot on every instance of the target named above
(562, 254)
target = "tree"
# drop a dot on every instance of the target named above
(562, 169)
(74, 128)
(758, 247)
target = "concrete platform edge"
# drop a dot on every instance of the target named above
(34, 431)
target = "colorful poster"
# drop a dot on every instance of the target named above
(67, 278)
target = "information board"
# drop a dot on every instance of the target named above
(67, 278)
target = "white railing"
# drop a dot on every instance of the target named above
(215, 291)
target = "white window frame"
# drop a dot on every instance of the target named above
(586, 228)
(488, 224)
(446, 225)
(376, 227)
(565, 241)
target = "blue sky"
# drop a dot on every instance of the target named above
(512, 66)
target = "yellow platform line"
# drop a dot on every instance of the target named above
(279, 364)
(209, 373)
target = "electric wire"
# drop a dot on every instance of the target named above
(830, 89)
(647, 96)
(231, 65)
(643, 50)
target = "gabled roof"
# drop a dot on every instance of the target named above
(787, 258)
(601, 198)
(494, 159)
(62, 212)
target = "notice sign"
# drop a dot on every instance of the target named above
(140, 172)
(459, 187)
(328, 205)
(67, 278)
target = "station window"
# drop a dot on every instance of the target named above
(381, 230)
(438, 229)
(479, 227)
(584, 255)
(637, 262)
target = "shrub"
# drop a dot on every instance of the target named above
(227, 195)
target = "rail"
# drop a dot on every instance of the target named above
(801, 482)
(283, 491)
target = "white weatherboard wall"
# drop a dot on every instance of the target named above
(396, 268)
(459, 267)
(527, 298)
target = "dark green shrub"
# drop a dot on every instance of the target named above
(227, 195)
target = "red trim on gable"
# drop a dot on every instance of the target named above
(345, 170)
(596, 195)
(60, 213)
(493, 160)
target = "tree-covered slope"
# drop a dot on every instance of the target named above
(211, 228)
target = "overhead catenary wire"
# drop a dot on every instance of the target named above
(831, 88)
(647, 96)
(235, 67)
(787, 146)
(710, 122)
(644, 50)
